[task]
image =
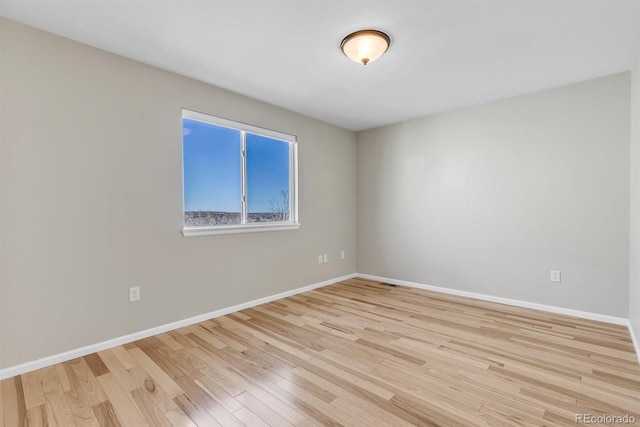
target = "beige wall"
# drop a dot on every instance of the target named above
(91, 193)
(486, 199)
(634, 248)
(490, 199)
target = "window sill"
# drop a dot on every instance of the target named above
(237, 229)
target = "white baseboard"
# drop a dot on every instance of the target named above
(507, 301)
(12, 371)
(635, 341)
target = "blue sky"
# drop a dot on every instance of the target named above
(212, 169)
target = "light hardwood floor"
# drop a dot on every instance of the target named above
(357, 353)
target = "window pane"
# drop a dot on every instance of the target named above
(212, 174)
(267, 179)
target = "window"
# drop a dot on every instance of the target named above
(237, 177)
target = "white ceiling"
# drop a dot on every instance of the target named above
(445, 54)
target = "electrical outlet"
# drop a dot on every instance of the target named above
(325, 258)
(555, 276)
(134, 294)
(341, 254)
(320, 259)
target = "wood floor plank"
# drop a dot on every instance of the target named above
(184, 361)
(119, 372)
(160, 377)
(214, 371)
(152, 347)
(263, 411)
(80, 407)
(149, 410)
(178, 418)
(263, 392)
(32, 387)
(96, 364)
(250, 419)
(282, 408)
(2, 424)
(106, 415)
(155, 392)
(194, 411)
(63, 376)
(208, 403)
(15, 410)
(83, 381)
(170, 342)
(56, 403)
(124, 357)
(123, 405)
(218, 393)
(356, 353)
(349, 400)
(331, 415)
(37, 416)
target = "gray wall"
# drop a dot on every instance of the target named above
(91, 200)
(634, 247)
(490, 199)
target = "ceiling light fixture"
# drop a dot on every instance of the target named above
(365, 46)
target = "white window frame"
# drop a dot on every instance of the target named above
(245, 227)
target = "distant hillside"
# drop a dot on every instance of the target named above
(209, 218)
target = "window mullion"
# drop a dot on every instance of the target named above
(243, 148)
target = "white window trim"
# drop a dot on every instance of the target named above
(235, 229)
(293, 224)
